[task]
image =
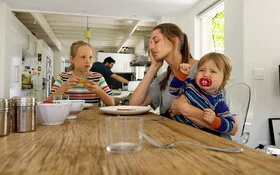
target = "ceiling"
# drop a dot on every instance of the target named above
(113, 24)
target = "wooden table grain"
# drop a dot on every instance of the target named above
(78, 147)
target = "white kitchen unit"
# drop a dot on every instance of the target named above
(46, 63)
(59, 63)
(14, 39)
(122, 64)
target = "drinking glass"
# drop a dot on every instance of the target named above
(123, 134)
(61, 97)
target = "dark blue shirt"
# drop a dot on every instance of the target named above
(102, 69)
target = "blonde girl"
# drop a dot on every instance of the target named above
(79, 83)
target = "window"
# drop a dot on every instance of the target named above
(212, 28)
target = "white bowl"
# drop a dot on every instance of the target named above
(76, 108)
(53, 113)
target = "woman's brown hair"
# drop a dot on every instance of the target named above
(73, 51)
(170, 30)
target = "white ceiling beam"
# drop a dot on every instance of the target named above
(46, 27)
(129, 34)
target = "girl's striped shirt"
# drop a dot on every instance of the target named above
(79, 92)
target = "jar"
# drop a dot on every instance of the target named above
(24, 114)
(5, 115)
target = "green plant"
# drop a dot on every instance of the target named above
(218, 30)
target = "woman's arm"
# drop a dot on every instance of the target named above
(181, 106)
(139, 96)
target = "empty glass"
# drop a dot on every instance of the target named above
(123, 134)
(59, 98)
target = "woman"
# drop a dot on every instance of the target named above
(168, 43)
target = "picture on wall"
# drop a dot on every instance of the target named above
(274, 129)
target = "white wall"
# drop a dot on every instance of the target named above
(251, 41)
(12, 40)
(261, 50)
(3, 60)
(234, 37)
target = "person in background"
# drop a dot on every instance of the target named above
(205, 91)
(105, 69)
(79, 82)
(168, 43)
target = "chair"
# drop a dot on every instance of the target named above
(238, 96)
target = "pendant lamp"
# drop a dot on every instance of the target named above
(87, 33)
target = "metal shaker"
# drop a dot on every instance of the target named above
(5, 115)
(25, 114)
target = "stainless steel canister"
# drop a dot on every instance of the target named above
(25, 113)
(14, 114)
(5, 114)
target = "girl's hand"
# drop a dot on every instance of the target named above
(71, 82)
(93, 87)
(209, 115)
(185, 68)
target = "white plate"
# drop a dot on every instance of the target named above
(125, 110)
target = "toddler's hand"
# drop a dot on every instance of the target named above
(209, 115)
(185, 68)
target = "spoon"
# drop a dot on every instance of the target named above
(169, 145)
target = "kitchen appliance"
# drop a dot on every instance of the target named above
(140, 60)
(132, 85)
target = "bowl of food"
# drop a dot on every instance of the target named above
(76, 108)
(53, 113)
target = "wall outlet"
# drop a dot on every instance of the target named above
(259, 73)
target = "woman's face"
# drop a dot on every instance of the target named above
(160, 46)
(83, 59)
(209, 71)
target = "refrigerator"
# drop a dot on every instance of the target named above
(40, 68)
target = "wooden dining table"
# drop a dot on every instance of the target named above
(78, 147)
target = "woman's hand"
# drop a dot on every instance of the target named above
(155, 62)
(181, 106)
(178, 106)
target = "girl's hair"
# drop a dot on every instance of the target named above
(222, 62)
(170, 30)
(74, 49)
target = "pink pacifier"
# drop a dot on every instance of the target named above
(205, 82)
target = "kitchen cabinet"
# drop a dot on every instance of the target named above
(31, 44)
(122, 64)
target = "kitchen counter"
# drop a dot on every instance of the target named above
(121, 97)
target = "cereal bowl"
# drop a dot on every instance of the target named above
(76, 108)
(53, 113)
